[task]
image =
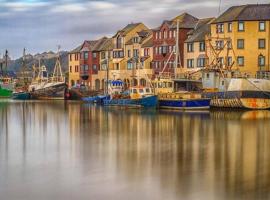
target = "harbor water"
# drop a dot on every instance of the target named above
(70, 150)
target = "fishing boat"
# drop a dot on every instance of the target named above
(6, 82)
(235, 91)
(21, 86)
(45, 87)
(170, 98)
(135, 97)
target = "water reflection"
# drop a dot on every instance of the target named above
(57, 150)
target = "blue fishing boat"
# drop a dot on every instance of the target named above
(21, 95)
(170, 98)
(138, 97)
(186, 101)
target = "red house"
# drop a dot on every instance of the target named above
(164, 42)
(90, 60)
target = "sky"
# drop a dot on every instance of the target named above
(42, 25)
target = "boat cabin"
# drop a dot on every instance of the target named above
(115, 87)
(163, 86)
(139, 92)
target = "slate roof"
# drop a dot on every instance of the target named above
(186, 21)
(76, 50)
(249, 12)
(144, 35)
(201, 29)
(148, 43)
(127, 29)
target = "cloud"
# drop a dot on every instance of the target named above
(41, 25)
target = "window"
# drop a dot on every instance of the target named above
(240, 44)
(165, 34)
(94, 67)
(229, 61)
(261, 44)
(240, 60)
(129, 54)
(136, 39)
(174, 34)
(118, 42)
(229, 27)
(200, 62)
(220, 28)
(160, 50)
(135, 52)
(94, 55)
(202, 46)
(241, 26)
(70, 57)
(164, 49)
(70, 69)
(170, 34)
(104, 67)
(190, 63)
(159, 35)
(190, 47)
(261, 26)
(85, 55)
(103, 55)
(76, 68)
(118, 54)
(146, 52)
(229, 44)
(129, 65)
(261, 60)
(221, 60)
(84, 68)
(77, 56)
(219, 44)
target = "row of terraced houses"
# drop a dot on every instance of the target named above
(137, 53)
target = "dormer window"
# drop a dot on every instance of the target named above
(136, 39)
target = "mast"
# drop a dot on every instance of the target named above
(6, 60)
(176, 48)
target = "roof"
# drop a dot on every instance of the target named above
(144, 35)
(76, 50)
(128, 28)
(201, 29)
(148, 43)
(249, 12)
(186, 21)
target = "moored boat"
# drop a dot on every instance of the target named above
(236, 92)
(21, 95)
(45, 87)
(136, 97)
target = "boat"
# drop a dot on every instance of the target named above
(6, 82)
(45, 87)
(21, 86)
(235, 91)
(135, 97)
(170, 98)
(21, 95)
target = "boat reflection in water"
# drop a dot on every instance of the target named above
(88, 152)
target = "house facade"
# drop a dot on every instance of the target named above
(241, 37)
(164, 43)
(125, 53)
(195, 57)
(74, 66)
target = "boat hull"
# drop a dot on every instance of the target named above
(21, 96)
(239, 99)
(185, 104)
(54, 92)
(5, 93)
(145, 102)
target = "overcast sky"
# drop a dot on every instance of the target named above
(40, 25)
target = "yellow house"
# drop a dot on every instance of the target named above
(74, 66)
(194, 48)
(241, 38)
(120, 52)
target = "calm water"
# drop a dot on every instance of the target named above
(62, 151)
